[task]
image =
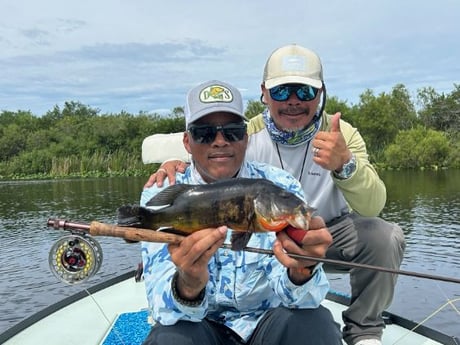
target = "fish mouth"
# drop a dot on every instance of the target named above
(272, 225)
(299, 222)
(300, 219)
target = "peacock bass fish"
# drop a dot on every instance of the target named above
(244, 205)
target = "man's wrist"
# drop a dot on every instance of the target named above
(300, 276)
(347, 169)
(194, 302)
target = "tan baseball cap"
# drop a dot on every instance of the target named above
(293, 64)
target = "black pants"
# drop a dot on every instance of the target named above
(280, 326)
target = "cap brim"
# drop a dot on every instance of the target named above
(215, 109)
(293, 80)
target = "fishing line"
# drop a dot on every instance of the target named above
(116, 332)
(434, 313)
(448, 299)
(427, 318)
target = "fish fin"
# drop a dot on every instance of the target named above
(173, 231)
(240, 239)
(128, 215)
(167, 195)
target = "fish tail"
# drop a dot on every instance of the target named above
(129, 215)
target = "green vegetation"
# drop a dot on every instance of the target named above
(79, 141)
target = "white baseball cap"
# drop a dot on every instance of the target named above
(293, 64)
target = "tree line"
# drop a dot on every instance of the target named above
(78, 140)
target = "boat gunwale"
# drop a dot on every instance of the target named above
(47, 311)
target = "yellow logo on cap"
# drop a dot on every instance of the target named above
(216, 93)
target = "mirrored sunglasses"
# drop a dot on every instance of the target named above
(304, 93)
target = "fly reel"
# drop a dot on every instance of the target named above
(75, 258)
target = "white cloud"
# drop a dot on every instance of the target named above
(143, 55)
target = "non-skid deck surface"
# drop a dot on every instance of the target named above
(132, 328)
(128, 328)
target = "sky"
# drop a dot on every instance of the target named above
(144, 55)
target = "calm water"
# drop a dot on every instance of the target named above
(425, 204)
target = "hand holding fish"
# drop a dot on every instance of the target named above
(315, 242)
(191, 257)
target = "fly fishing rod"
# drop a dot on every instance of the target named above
(352, 264)
(77, 257)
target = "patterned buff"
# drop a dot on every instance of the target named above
(291, 137)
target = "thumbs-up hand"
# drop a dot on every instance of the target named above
(335, 122)
(329, 148)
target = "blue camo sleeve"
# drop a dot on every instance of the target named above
(158, 273)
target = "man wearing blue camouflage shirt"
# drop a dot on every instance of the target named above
(200, 293)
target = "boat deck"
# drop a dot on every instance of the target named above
(91, 317)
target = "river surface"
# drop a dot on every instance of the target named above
(425, 204)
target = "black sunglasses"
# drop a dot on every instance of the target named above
(304, 93)
(205, 134)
